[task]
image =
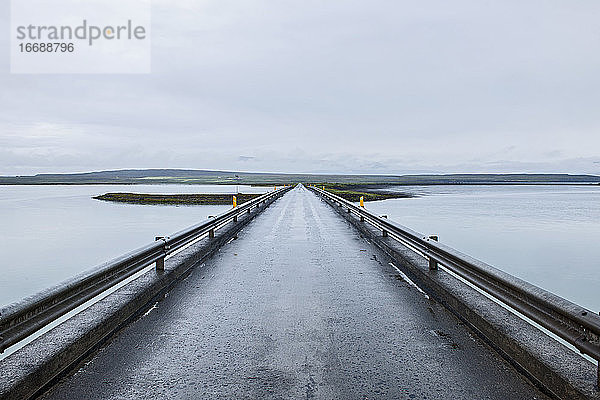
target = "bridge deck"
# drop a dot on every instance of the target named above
(300, 306)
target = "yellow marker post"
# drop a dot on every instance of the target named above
(362, 201)
(275, 188)
(234, 202)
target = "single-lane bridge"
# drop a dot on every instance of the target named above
(301, 304)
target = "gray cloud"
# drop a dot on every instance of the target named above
(338, 86)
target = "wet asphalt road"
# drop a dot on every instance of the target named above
(300, 306)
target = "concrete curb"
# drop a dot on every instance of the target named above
(553, 367)
(32, 369)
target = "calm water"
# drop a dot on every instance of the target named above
(50, 233)
(547, 235)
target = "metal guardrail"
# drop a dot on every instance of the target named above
(575, 324)
(23, 318)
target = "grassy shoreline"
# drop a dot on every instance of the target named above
(354, 196)
(177, 199)
(348, 192)
(353, 192)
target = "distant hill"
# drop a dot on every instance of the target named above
(194, 176)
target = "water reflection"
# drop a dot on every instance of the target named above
(50, 233)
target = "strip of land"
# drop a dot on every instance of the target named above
(207, 177)
(177, 199)
(367, 192)
(347, 192)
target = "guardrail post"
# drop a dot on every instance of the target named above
(211, 232)
(348, 210)
(433, 265)
(383, 230)
(160, 263)
(235, 218)
(362, 218)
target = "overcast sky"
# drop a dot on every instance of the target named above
(344, 86)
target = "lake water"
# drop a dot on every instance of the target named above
(50, 233)
(546, 235)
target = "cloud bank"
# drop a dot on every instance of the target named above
(338, 86)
